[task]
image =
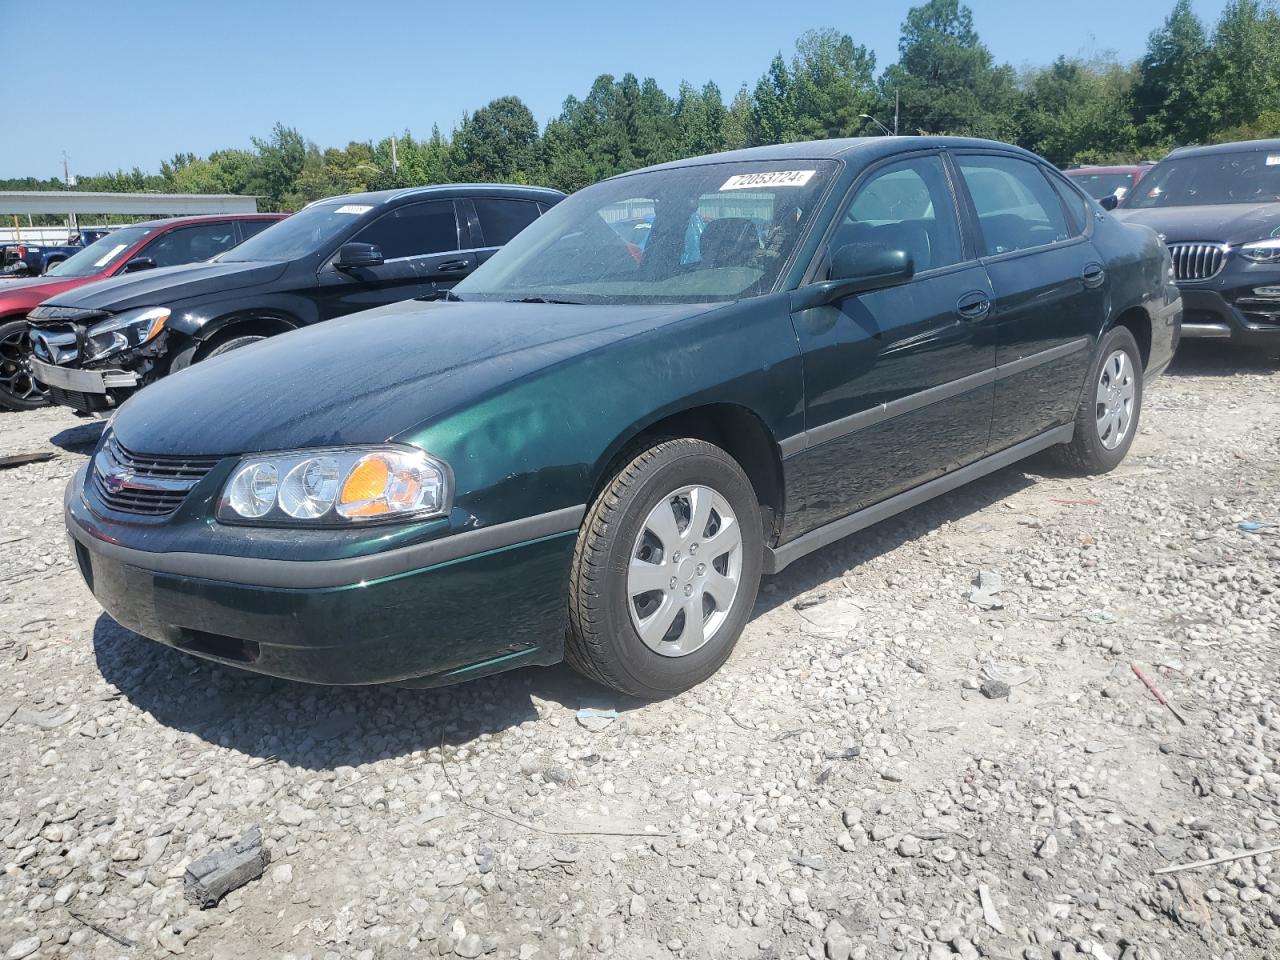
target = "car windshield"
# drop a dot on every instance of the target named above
(1251, 176)
(306, 232)
(101, 254)
(1100, 185)
(713, 232)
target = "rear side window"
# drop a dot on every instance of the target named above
(191, 244)
(906, 206)
(501, 220)
(413, 230)
(1017, 209)
(251, 228)
(1077, 210)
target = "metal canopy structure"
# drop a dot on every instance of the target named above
(81, 202)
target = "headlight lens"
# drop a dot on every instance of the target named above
(337, 487)
(1262, 251)
(132, 328)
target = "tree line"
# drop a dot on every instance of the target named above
(1193, 84)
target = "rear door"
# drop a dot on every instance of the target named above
(497, 220)
(422, 253)
(1050, 290)
(897, 381)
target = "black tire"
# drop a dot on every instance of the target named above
(603, 642)
(18, 391)
(1087, 453)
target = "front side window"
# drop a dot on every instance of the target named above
(100, 255)
(1017, 209)
(905, 206)
(1077, 209)
(712, 232)
(502, 219)
(190, 244)
(1246, 177)
(414, 230)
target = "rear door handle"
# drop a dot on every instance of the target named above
(973, 306)
(453, 266)
(1093, 275)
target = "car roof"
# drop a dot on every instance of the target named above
(446, 190)
(167, 222)
(867, 148)
(1239, 146)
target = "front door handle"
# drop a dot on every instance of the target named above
(453, 266)
(973, 306)
(1093, 275)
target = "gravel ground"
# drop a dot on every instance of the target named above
(857, 781)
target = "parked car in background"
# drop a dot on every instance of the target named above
(1114, 181)
(1218, 208)
(24, 259)
(98, 345)
(141, 246)
(576, 442)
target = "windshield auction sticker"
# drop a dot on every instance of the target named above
(354, 208)
(1273, 159)
(111, 255)
(776, 178)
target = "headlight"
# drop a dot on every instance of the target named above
(132, 328)
(336, 487)
(1262, 251)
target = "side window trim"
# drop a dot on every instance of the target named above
(973, 209)
(969, 253)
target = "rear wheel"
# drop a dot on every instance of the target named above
(18, 391)
(666, 570)
(1107, 418)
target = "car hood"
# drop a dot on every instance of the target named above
(23, 293)
(1209, 223)
(368, 377)
(164, 286)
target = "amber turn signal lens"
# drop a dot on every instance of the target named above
(366, 482)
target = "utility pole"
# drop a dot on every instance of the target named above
(395, 161)
(72, 224)
(896, 103)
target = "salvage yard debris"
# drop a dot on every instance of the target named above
(986, 587)
(217, 873)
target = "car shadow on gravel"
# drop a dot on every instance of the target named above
(839, 558)
(81, 438)
(1209, 358)
(322, 728)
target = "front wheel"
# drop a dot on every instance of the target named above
(666, 570)
(1107, 418)
(18, 390)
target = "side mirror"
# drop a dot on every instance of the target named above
(857, 268)
(351, 255)
(139, 263)
(1109, 202)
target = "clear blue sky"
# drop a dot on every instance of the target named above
(179, 75)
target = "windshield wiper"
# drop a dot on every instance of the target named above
(440, 295)
(576, 303)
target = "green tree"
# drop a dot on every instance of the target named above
(947, 79)
(1077, 111)
(278, 166)
(1170, 103)
(1244, 65)
(497, 143)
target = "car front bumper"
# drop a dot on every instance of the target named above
(448, 620)
(1234, 315)
(89, 391)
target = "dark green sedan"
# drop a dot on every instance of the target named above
(593, 451)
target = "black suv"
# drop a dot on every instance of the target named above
(98, 344)
(1218, 209)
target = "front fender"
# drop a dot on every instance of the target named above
(540, 443)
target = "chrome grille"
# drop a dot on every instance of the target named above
(147, 484)
(1197, 261)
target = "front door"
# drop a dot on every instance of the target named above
(897, 381)
(421, 253)
(1050, 291)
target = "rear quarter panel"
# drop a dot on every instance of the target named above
(1137, 263)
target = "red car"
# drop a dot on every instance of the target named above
(1100, 182)
(140, 246)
